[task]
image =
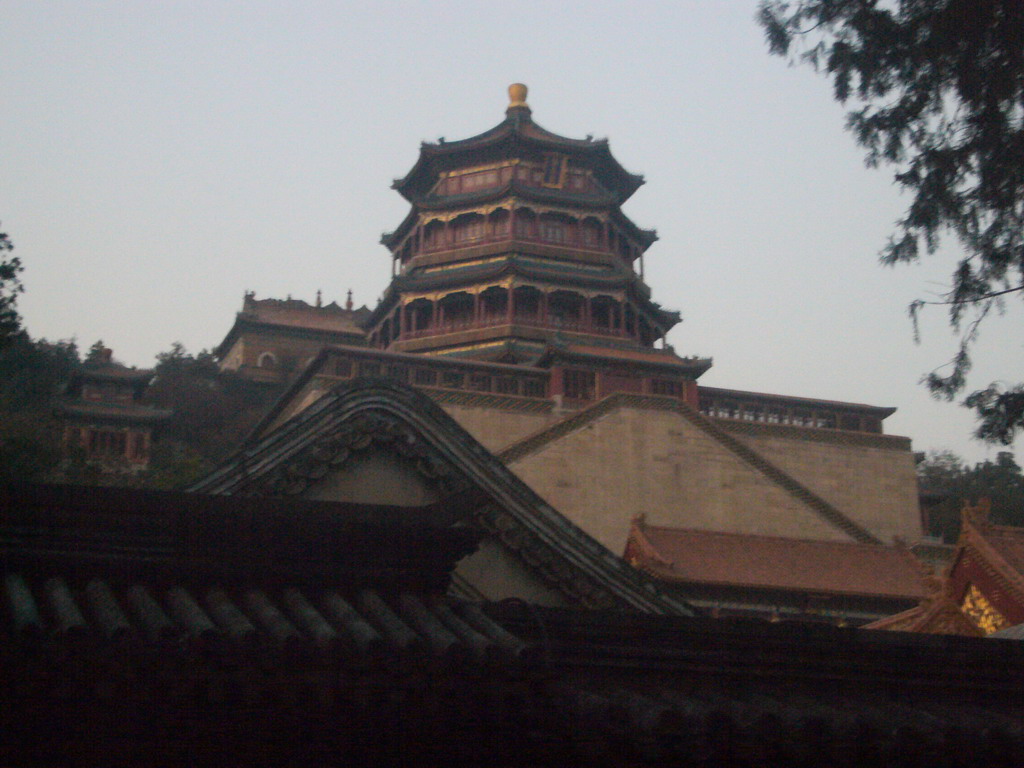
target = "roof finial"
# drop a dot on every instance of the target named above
(319, 298)
(517, 96)
(348, 301)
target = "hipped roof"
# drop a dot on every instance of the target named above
(770, 562)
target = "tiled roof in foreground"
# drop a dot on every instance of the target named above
(361, 626)
(180, 629)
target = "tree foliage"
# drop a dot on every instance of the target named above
(212, 414)
(950, 484)
(96, 353)
(10, 287)
(32, 374)
(936, 89)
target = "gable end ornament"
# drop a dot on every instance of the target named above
(334, 450)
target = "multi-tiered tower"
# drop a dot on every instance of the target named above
(516, 250)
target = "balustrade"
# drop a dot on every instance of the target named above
(490, 320)
(440, 244)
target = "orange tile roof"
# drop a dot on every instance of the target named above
(1009, 543)
(1000, 546)
(744, 560)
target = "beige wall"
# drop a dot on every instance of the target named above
(375, 476)
(656, 462)
(496, 429)
(873, 485)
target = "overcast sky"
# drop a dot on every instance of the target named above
(157, 159)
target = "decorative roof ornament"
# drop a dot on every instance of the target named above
(517, 97)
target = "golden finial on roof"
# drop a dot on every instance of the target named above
(517, 95)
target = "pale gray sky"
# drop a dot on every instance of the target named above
(159, 158)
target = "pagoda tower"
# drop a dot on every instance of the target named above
(516, 250)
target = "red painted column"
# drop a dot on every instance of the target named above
(557, 381)
(691, 396)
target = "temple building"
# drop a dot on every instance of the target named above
(518, 305)
(273, 338)
(105, 423)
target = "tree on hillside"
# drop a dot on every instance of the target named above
(10, 287)
(212, 414)
(96, 353)
(950, 484)
(32, 374)
(937, 91)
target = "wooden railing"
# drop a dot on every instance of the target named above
(502, 318)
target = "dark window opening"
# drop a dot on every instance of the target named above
(579, 385)
(107, 443)
(533, 388)
(554, 170)
(507, 386)
(667, 387)
(451, 379)
(425, 377)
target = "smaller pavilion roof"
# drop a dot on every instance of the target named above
(772, 562)
(107, 370)
(295, 315)
(300, 314)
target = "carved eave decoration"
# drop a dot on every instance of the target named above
(334, 451)
(364, 413)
